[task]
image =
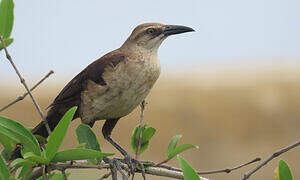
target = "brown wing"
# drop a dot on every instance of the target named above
(71, 93)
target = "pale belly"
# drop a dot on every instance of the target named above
(127, 86)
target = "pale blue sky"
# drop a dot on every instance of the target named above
(66, 35)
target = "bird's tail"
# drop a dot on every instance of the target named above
(52, 119)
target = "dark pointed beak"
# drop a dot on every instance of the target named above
(175, 29)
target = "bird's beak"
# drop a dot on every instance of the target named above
(175, 29)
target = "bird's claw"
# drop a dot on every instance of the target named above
(115, 167)
(132, 164)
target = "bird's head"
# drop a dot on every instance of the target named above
(150, 35)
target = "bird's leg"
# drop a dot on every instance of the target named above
(106, 131)
(114, 165)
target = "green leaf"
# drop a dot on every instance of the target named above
(21, 162)
(34, 158)
(134, 138)
(6, 17)
(180, 149)
(7, 133)
(86, 136)
(7, 42)
(17, 132)
(25, 172)
(173, 144)
(188, 172)
(147, 134)
(78, 154)
(7, 144)
(144, 147)
(284, 171)
(4, 172)
(146, 165)
(59, 134)
(42, 141)
(5, 155)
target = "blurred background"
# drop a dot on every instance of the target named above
(232, 87)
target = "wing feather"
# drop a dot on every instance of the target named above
(71, 93)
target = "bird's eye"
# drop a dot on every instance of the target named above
(150, 30)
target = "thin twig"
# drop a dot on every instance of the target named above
(25, 85)
(276, 154)
(44, 173)
(25, 94)
(227, 170)
(161, 163)
(230, 169)
(143, 105)
(64, 174)
(105, 176)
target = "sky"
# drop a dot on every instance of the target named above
(67, 35)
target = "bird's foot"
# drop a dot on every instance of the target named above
(115, 168)
(134, 164)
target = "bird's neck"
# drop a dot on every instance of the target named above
(139, 52)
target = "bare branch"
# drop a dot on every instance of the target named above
(157, 171)
(162, 170)
(25, 94)
(36, 174)
(64, 174)
(105, 176)
(25, 85)
(276, 154)
(143, 105)
(45, 173)
(231, 169)
(227, 170)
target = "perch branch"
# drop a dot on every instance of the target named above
(25, 94)
(157, 171)
(25, 85)
(163, 170)
(276, 154)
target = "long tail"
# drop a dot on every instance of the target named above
(53, 119)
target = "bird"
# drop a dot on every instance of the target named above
(115, 84)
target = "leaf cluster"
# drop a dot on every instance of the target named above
(12, 133)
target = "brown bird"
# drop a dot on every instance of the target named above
(114, 85)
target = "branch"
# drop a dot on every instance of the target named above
(105, 176)
(64, 174)
(227, 170)
(25, 85)
(163, 170)
(157, 171)
(276, 154)
(25, 94)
